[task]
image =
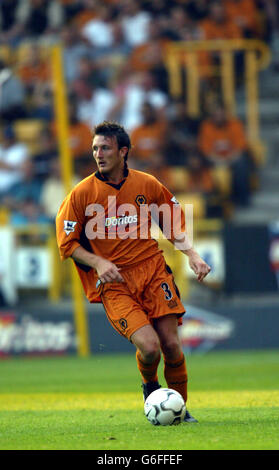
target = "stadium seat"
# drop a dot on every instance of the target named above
(4, 216)
(28, 131)
(25, 49)
(6, 54)
(198, 201)
(223, 179)
(176, 178)
(23, 52)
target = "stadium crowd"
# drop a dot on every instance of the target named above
(114, 65)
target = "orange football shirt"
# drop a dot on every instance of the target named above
(220, 141)
(102, 229)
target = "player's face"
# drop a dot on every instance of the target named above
(108, 156)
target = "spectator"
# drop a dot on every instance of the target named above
(53, 191)
(41, 102)
(74, 49)
(135, 22)
(85, 167)
(181, 27)
(34, 70)
(87, 75)
(222, 141)
(197, 9)
(98, 31)
(12, 95)
(179, 20)
(157, 8)
(148, 141)
(8, 12)
(132, 91)
(204, 58)
(23, 198)
(11, 25)
(244, 14)
(181, 136)
(71, 8)
(88, 11)
(48, 152)
(150, 53)
(200, 176)
(201, 180)
(80, 137)
(27, 189)
(218, 25)
(29, 213)
(12, 155)
(93, 103)
(42, 18)
(269, 18)
(109, 60)
(173, 24)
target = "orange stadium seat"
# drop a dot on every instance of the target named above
(4, 216)
(6, 54)
(223, 179)
(198, 201)
(23, 52)
(28, 131)
(176, 178)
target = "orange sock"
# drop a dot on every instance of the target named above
(148, 371)
(176, 375)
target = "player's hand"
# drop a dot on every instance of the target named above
(199, 266)
(108, 271)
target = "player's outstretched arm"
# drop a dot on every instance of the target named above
(196, 263)
(106, 270)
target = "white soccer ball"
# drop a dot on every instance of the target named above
(165, 406)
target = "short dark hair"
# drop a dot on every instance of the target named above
(113, 129)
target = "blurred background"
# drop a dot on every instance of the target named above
(195, 83)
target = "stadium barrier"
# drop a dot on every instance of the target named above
(37, 266)
(184, 57)
(49, 326)
(40, 330)
(31, 254)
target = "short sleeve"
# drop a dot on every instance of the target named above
(167, 212)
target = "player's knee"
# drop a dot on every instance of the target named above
(150, 351)
(172, 348)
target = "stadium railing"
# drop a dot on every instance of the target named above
(183, 57)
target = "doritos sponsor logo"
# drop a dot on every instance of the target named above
(122, 220)
(69, 226)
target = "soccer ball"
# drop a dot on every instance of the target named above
(164, 406)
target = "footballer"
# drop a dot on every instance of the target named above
(102, 226)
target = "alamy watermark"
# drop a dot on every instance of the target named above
(126, 221)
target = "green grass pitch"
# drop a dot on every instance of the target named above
(96, 403)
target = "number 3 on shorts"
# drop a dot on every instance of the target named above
(167, 291)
